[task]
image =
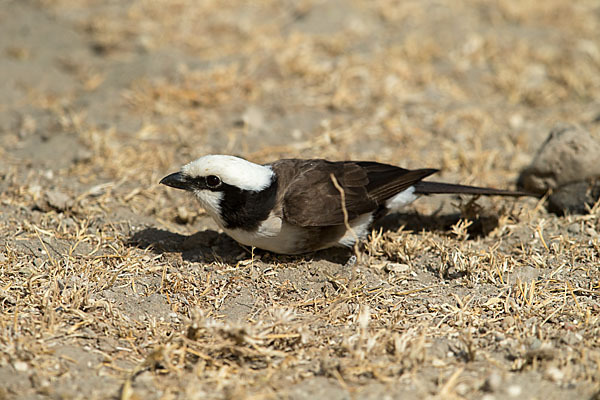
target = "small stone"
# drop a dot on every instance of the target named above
(58, 200)
(397, 268)
(35, 190)
(83, 155)
(516, 121)
(514, 390)
(20, 366)
(41, 204)
(554, 374)
(183, 215)
(535, 344)
(493, 382)
(98, 190)
(462, 389)
(574, 228)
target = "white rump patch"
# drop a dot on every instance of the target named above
(360, 226)
(402, 199)
(232, 170)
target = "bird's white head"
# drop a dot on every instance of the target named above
(231, 170)
(210, 176)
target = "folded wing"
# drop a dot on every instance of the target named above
(311, 198)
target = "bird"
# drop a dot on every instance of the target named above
(295, 206)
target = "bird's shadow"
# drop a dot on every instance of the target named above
(481, 225)
(206, 246)
(209, 246)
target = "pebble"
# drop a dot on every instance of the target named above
(514, 390)
(20, 366)
(183, 215)
(493, 382)
(535, 344)
(574, 228)
(83, 155)
(397, 268)
(516, 121)
(554, 374)
(462, 389)
(58, 200)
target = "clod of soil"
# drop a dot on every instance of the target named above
(569, 155)
(574, 198)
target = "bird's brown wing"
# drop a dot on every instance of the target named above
(310, 197)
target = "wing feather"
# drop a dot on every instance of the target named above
(311, 199)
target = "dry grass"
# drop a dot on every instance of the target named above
(110, 286)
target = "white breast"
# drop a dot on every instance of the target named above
(273, 235)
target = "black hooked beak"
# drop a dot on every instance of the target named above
(177, 180)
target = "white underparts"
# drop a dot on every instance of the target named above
(273, 235)
(401, 200)
(360, 229)
(360, 226)
(232, 170)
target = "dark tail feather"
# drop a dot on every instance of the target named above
(449, 188)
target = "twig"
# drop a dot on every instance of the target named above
(345, 212)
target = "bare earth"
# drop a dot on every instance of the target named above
(112, 286)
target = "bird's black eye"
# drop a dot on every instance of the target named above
(213, 181)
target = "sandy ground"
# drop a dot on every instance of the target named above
(112, 286)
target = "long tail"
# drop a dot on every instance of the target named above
(424, 187)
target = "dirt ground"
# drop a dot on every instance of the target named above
(112, 286)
